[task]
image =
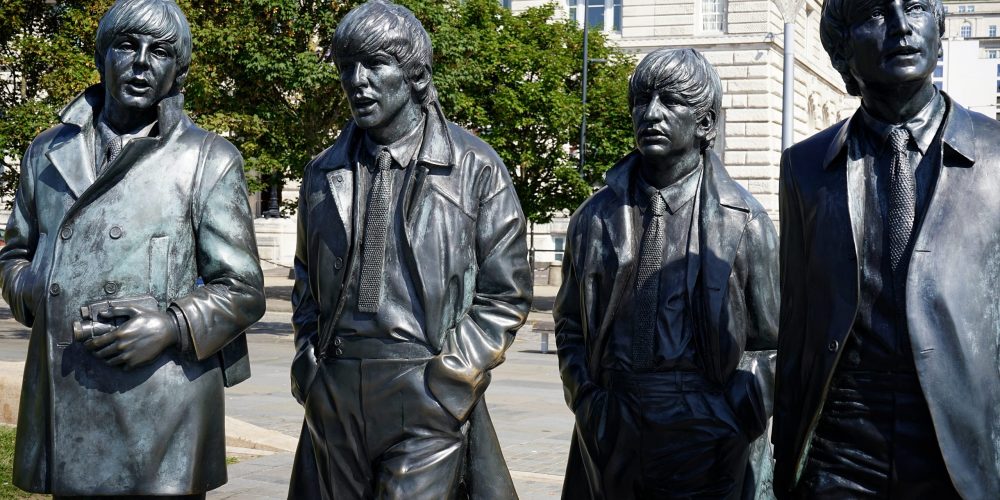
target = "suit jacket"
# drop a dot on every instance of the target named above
(952, 294)
(465, 242)
(168, 210)
(732, 286)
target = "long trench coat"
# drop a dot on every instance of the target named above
(952, 294)
(168, 210)
(464, 241)
(732, 284)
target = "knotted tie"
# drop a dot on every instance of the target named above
(373, 246)
(902, 204)
(113, 149)
(647, 286)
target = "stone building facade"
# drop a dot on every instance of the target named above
(969, 69)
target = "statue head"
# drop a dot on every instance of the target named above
(882, 42)
(384, 57)
(675, 96)
(143, 51)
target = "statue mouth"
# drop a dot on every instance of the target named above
(902, 51)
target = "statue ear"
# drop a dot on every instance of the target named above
(706, 125)
(181, 77)
(420, 81)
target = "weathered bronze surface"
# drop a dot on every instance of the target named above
(121, 208)
(411, 279)
(672, 416)
(889, 353)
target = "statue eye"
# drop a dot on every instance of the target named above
(877, 13)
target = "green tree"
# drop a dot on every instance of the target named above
(262, 75)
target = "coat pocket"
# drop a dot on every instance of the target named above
(159, 268)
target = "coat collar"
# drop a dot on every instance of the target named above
(717, 185)
(84, 109)
(72, 153)
(959, 135)
(436, 148)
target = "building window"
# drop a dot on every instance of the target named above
(998, 86)
(600, 13)
(998, 70)
(992, 53)
(713, 16)
(506, 3)
(992, 30)
(616, 7)
(559, 243)
(961, 9)
(971, 9)
(966, 31)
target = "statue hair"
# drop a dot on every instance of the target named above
(380, 25)
(686, 73)
(162, 19)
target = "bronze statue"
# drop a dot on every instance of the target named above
(121, 208)
(669, 278)
(890, 310)
(411, 278)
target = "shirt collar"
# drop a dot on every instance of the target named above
(106, 132)
(675, 195)
(923, 126)
(401, 151)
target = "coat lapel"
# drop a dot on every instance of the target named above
(723, 216)
(73, 157)
(70, 159)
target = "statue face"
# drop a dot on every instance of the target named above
(665, 126)
(378, 91)
(892, 42)
(139, 70)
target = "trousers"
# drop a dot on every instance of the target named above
(374, 430)
(875, 439)
(670, 435)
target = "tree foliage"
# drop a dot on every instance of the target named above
(262, 76)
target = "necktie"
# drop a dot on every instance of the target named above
(373, 246)
(902, 205)
(113, 149)
(647, 286)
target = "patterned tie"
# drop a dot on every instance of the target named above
(647, 286)
(902, 204)
(113, 149)
(373, 246)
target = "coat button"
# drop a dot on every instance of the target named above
(339, 263)
(340, 352)
(115, 232)
(833, 346)
(110, 287)
(54, 289)
(339, 178)
(337, 341)
(66, 232)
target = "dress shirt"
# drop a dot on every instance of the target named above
(673, 348)
(880, 339)
(400, 316)
(104, 133)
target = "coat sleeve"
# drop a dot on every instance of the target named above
(567, 312)
(226, 253)
(792, 316)
(459, 375)
(305, 310)
(17, 274)
(761, 290)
